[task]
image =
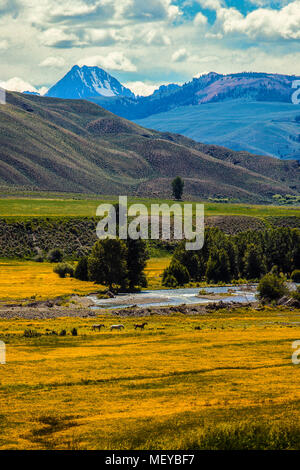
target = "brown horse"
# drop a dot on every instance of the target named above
(98, 327)
(141, 325)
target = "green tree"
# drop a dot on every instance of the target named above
(218, 267)
(295, 249)
(137, 256)
(254, 264)
(192, 260)
(175, 271)
(295, 276)
(107, 263)
(81, 271)
(177, 187)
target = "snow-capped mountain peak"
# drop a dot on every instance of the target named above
(88, 82)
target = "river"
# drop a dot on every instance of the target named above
(166, 297)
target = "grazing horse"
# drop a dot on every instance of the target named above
(116, 327)
(141, 325)
(98, 327)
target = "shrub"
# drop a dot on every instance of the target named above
(74, 332)
(177, 271)
(244, 436)
(55, 255)
(296, 294)
(63, 333)
(81, 271)
(31, 333)
(296, 275)
(38, 259)
(64, 269)
(169, 281)
(271, 287)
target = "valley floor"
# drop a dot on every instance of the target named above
(22, 280)
(230, 384)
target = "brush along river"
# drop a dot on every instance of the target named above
(168, 297)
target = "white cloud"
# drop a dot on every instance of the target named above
(152, 10)
(157, 37)
(20, 85)
(9, 7)
(200, 74)
(53, 62)
(180, 55)
(17, 84)
(68, 11)
(74, 8)
(3, 44)
(209, 58)
(211, 4)
(102, 37)
(42, 91)
(141, 88)
(200, 20)
(56, 37)
(267, 3)
(134, 34)
(262, 23)
(112, 61)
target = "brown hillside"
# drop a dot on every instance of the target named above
(77, 146)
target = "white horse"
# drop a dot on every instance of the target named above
(116, 327)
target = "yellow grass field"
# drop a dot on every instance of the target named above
(230, 385)
(21, 280)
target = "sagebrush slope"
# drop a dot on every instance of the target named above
(77, 146)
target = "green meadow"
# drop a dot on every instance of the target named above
(57, 205)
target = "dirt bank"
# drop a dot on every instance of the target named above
(49, 309)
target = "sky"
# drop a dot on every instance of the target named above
(145, 43)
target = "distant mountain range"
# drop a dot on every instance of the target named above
(243, 111)
(88, 82)
(74, 145)
(210, 88)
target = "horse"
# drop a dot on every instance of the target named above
(116, 327)
(98, 327)
(141, 325)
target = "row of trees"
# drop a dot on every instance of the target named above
(224, 258)
(114, 263)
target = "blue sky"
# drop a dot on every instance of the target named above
(145, 44)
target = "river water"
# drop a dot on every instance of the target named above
(166, 297)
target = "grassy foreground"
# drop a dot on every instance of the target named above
(25, 207)
(230, 385)
(21, 280)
